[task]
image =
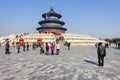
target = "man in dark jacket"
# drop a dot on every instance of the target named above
(7, 47)
(27, 46)
(101, 54)
(68, 44)
(24, 47)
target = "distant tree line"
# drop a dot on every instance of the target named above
(114, 40)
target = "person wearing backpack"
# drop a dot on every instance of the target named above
(101, 51)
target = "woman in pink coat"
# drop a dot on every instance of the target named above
(52, 47)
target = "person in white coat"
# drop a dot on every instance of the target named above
(57, 48)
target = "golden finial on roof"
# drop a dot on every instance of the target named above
(51, 7)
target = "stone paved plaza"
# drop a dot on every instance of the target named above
(79, 63)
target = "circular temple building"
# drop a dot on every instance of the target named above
(50, 30)
(51, 23)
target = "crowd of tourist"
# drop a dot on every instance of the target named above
(48, 49)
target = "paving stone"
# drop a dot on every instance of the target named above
(79, 63)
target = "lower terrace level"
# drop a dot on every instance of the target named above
(74, 39)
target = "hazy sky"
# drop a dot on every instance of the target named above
(97, 18)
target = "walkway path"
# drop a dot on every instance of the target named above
(79, 63)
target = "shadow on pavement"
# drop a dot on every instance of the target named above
(91, 62)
